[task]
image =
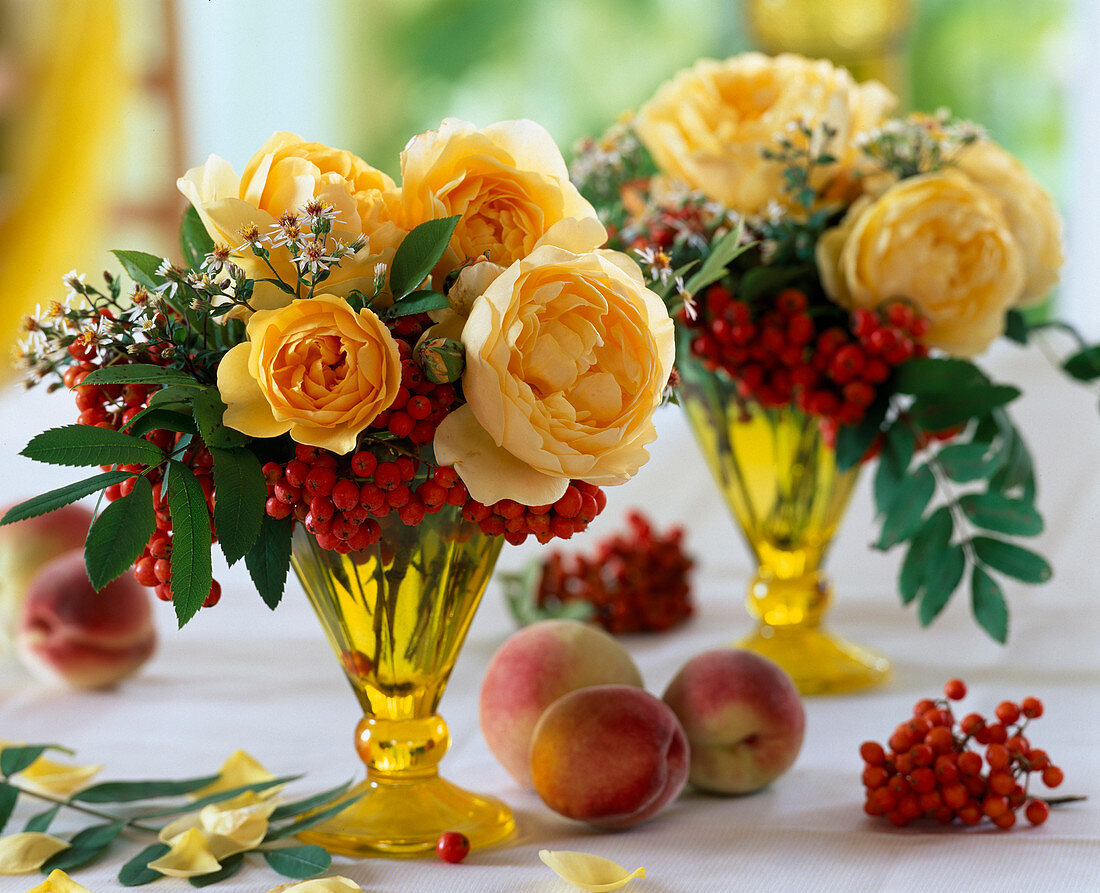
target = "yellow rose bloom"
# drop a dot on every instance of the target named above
(281, 177)
(708, 125)
(508, 181)
(938, 241)
(315, 368)
(1028, 209)
(567, 355)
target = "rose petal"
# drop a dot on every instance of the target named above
(28, 851)
(239, 770)
(59, 882)
(50, 777)
(593, 873)
(189, 856)
(335, 884)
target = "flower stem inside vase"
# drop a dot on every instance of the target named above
(396, 615)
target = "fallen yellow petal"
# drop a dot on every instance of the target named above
(240, 769)
(190, 856)
(335, 884)
(27, 851)
(50, 777)
(59, 882)
(593, 873)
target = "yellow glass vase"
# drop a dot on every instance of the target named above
(780, 480)
(396, 616)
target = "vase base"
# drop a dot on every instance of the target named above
(819, 663)
(406, 819)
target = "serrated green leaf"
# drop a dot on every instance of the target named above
(1016, 327)
(141, 373)
(195, 241)
(17, 758)
(209, 410)
(418, 252)
(41, 821)
(939, 411)
(153, 418)
(904, 517)
(422, 301)
(722, 254)
(141, 267)
(85, 847)
(241, 494)
(942, 581)
(988, 605)
(292, 828)
(175, 395)
(78, 445)
(928, 542)
(1085, 364)
(62, 496)
(137, 872)
(966, 462)
(298, 861)
(296, 807)
(1014, 561)
(268, 561)
(220, 796)
(119, 534)
(1003, 514)
(937, 375)
(192, 572)
(230, 866)
(893, 464)
(129, 791)
(9, 794)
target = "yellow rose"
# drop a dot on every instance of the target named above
(508, 181)
(1028, 210)
(314, 368)
(708, 125)
(567, 355)
(282, 176)
(938, 241)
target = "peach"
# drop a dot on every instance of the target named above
(532, 669)
(69, 632)
(609, 755)
(743, 717)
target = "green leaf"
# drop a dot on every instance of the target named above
(9, 794)
(268, 561)
(241, 494)
(89, 445)
(175, 395)
(722, 254)
(1084, 365)
(1016, 467)
(930, 541)
(1016, 327)
(140, 267)
(62, 496)
(761, 282)
(119, 534)
(315, 818)
(938, 411)
(85, 847)
(897, 452)
(941, 584)
(422, 301)
(16, 759)
(195, 241)
(418, 252)
(1003, 514)
(153, 418)
(1012, 560)
(141, 373)
(230, 866)
(286, 810)
(988, 604)
(218, 797)
(853, 441)
(137, 872)
(937, 375)
(209, 410)
(965, 462)
(298, 861)
(904, 517)
(129, 791)
(192, 572)
(41, 821)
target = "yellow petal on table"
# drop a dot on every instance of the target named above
(190, 856)
(27, 851)
(335, 884)
(59, 882)
(59, 779)
(593, 873)
(239, 770)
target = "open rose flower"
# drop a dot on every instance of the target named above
(707, 127)
(508, 181)
(285, 174)
(567, 355)
(938, 241)
(315, 368)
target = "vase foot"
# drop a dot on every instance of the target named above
(819, 663)
(406, 819)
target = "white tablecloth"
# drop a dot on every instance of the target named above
(240, 676)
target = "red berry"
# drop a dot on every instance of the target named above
(1032, 708)
(1037, 811)
(1053, 776)
(953, 689)
(452, 846)
(1008, 712)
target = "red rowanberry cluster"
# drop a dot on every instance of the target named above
(572, 513)
(779, 357)
(930, 770)
(635, 581)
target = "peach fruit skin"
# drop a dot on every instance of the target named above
(533, 668)
(743, 717)
(69, 632)
(609, 755)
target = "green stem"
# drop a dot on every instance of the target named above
(87, 810)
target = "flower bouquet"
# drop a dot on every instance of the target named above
(834, 272)
(374, 384)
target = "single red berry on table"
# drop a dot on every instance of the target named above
(452, 846)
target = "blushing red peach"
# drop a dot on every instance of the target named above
(609, 755)
(532, 669)
(69, 632)
(743, 717)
